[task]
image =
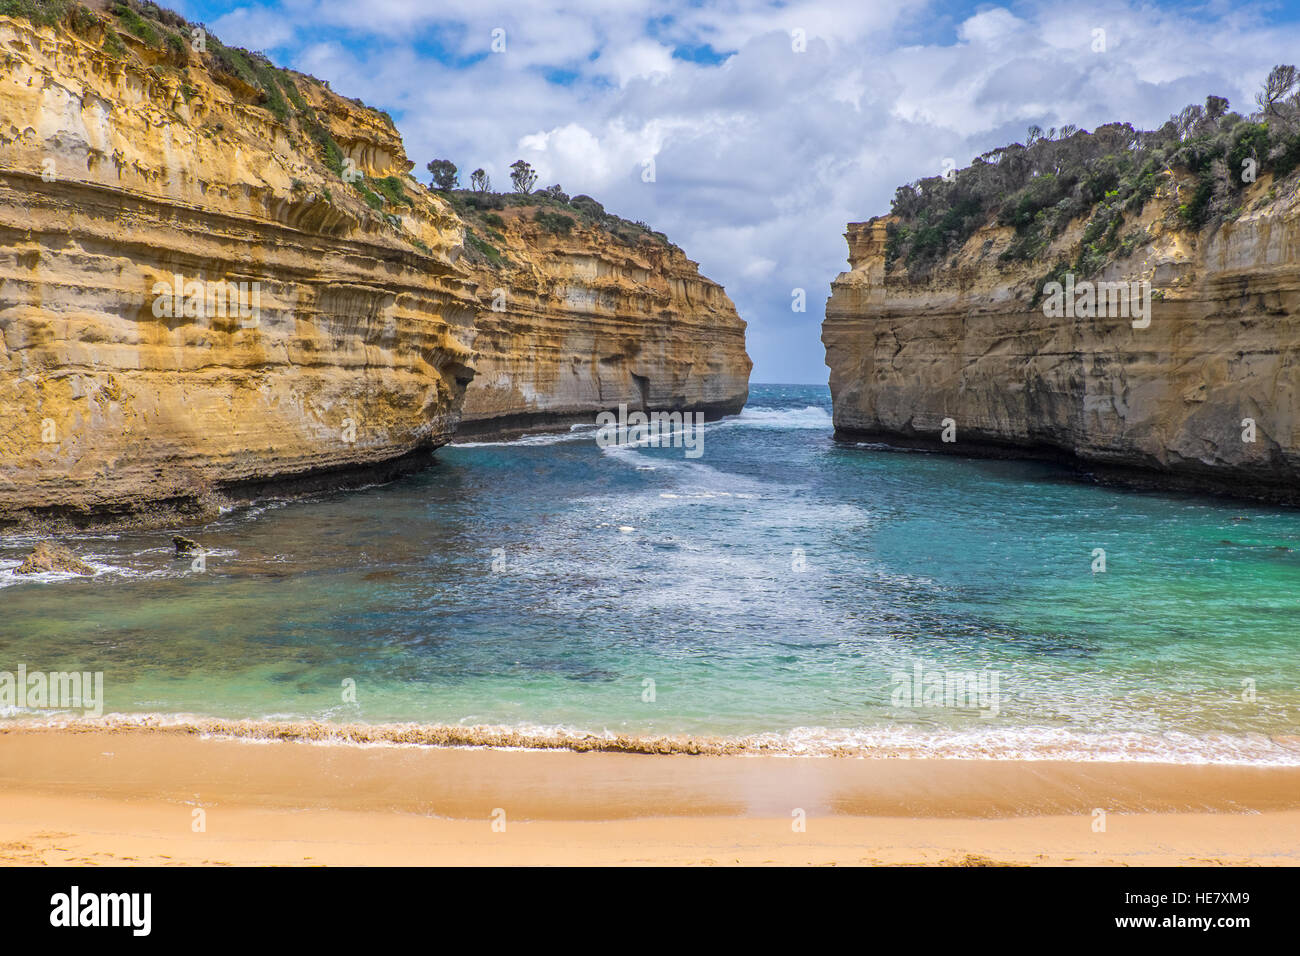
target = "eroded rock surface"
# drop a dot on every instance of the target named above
(1166, 405)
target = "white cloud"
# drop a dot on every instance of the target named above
(255, 28)
(990, 27)
(642, 59)
(574, 153)
(763, 158)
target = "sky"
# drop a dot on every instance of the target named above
(751, 132)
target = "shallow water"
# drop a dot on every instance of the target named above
(620, 566)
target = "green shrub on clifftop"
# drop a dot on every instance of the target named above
(557, 224)
(1040, 186)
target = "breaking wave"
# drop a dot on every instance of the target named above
(758, 416)
(1019, 744)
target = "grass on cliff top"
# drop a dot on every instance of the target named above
(1040, 186)
(45, 13)
(137, 25)
(556, 213)
(48, 13)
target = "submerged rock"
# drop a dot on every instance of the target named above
(46, 557)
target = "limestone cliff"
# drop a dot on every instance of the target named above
(217, 276)
(1166, 405)
(578, 321)
(123, 174)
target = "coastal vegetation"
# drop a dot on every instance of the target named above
(1040, 186)
(554, 210)
(444, 173)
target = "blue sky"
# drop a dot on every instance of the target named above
(763, 146)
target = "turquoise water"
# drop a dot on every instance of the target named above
(774, 586)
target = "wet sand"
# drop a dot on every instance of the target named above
(129, 796)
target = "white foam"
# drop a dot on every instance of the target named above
(894, 742)
(8, 575)
(550, 438)
(758, 416)
(100, 567)
(1036, 743)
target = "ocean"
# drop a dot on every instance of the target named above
(780, 592)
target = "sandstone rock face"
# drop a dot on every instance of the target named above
(572, 325)
(116, 179)
(315, 330)
(1166, 405)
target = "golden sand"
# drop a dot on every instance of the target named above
(130, 796)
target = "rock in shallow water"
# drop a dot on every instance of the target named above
(46, 557)
(186, 545)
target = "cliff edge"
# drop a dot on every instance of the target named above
(1092, 301)
(219, 277)
(192, 302)
(582, 312)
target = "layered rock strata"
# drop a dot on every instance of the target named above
(190, 303)
(218, 279)
(578, 323)
(1205, 398)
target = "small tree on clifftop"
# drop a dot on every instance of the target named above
(480, 181)
(523, 176)
(1281, 80)
(444, 173)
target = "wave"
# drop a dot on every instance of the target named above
(755, 416)
(100, 568)
(1019, 744)
(692, 478)
(10, 577)
(759, 416)
(575, 433)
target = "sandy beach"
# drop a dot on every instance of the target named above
(130, 796)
